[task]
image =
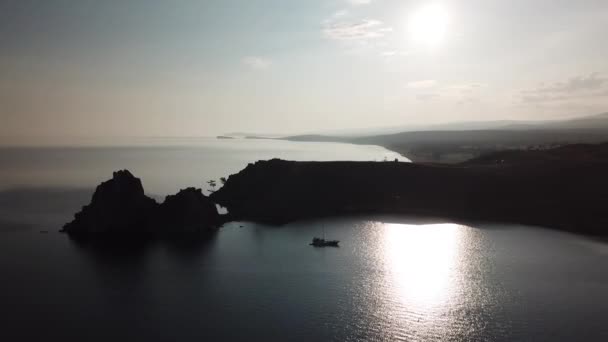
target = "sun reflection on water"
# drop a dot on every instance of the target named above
(421, 260)
(422, 269)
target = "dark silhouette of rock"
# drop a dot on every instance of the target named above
(564, 188)
(119, 206)
(188, 211)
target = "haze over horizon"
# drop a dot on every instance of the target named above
(201, 68)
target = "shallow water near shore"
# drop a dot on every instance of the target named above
(392, 278)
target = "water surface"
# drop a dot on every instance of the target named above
(393, 278)
(164, 165)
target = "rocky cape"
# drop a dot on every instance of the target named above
(564, 188)
(120, 206)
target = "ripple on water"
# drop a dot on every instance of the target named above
(422, 283)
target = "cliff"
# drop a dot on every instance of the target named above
(564, 188)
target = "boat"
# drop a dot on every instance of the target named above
(321, 242)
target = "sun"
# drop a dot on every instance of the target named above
(428, 25)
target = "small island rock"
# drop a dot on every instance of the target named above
(120, 206)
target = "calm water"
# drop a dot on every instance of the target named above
(393, 278)
(166, 165)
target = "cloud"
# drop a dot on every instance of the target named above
(393, 53)
(339, 14)
(575, 84)
(465, 92)
(464, 89)
(579, 87)
(257, 62)
(427, 96)
(424, 84)
(359, 2)
(428, 90)
(363, 30)
(424, 90)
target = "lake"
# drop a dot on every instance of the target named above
(164, 165)
(392, 278)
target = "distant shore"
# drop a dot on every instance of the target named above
(452, 147)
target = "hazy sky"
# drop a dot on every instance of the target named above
(195, 67)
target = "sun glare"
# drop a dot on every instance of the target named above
(428, 25)
(422, 259)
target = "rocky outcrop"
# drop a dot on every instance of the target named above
(120, 206)
(564, 188)
(557, 191)
(188, 211)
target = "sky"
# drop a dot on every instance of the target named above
(122, 68)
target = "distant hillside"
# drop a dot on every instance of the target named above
(252, 135)
(579, 153)
(593, 121)
(599, 121)
(596, 121)
(451, 146)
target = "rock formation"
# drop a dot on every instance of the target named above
(119, 206)
(188, 211)
(564, 188)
